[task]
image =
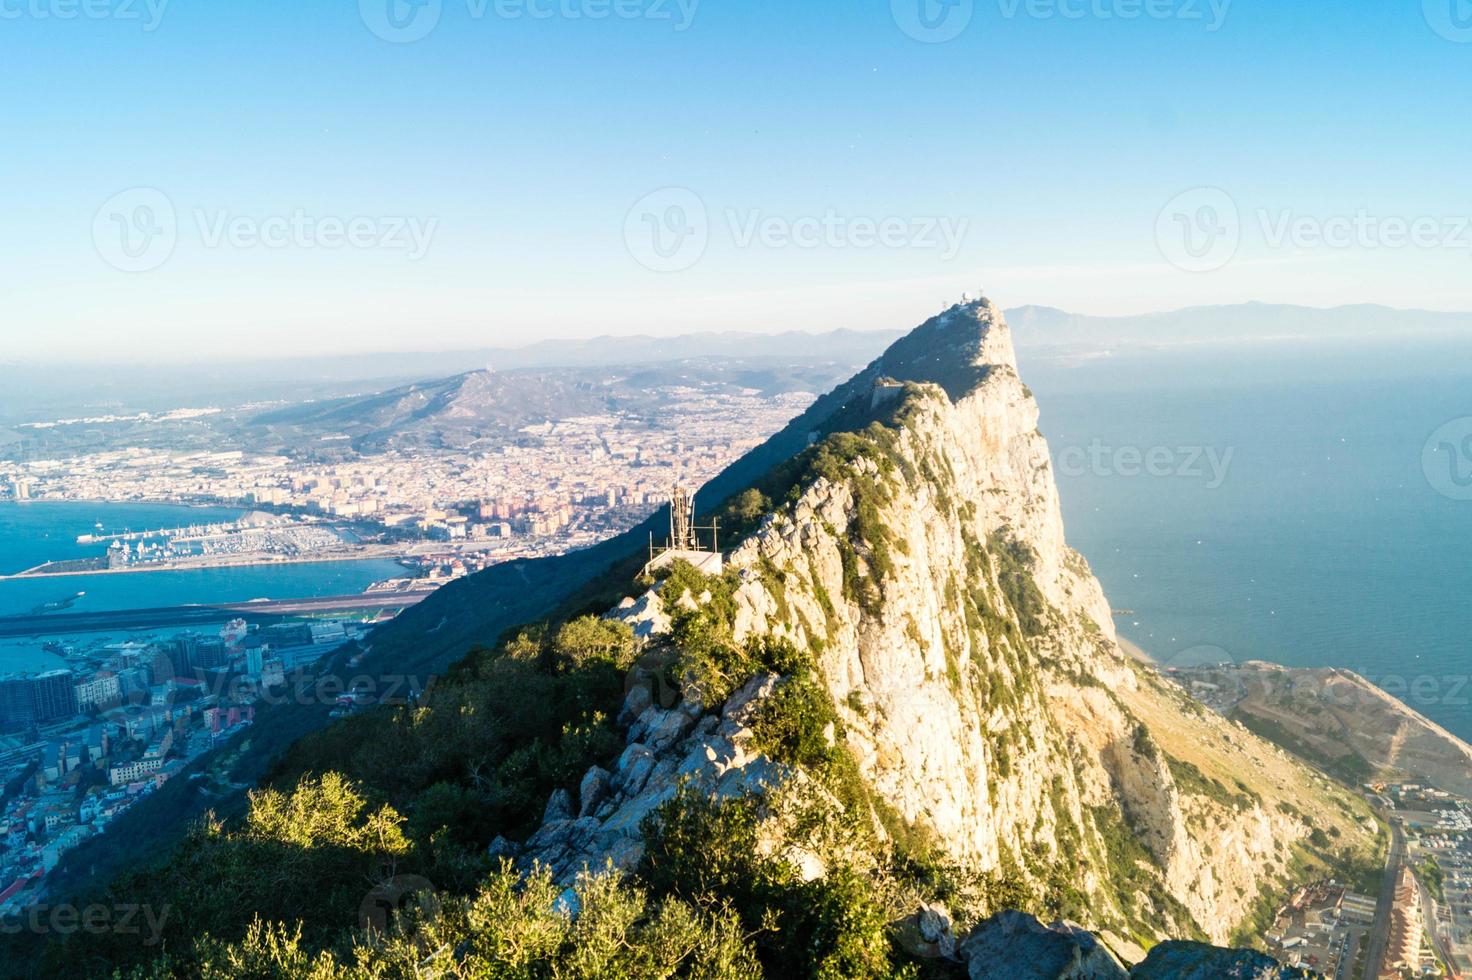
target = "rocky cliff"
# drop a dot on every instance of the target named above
(917, 550)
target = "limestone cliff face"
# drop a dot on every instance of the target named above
(972, 658)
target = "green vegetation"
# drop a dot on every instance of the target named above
(699, 848)
(869, 550)
(803, 882)
(798, 724)
(708, 664)
(420, 790)
(1191, 780)
(1134, 876)
(513, 926)
(1349, 767)
(1014, 574)
(1433, 878)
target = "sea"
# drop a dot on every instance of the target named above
(33, 532)
(1305, 503)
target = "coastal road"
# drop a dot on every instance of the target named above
(138, 619)
(1380, 931)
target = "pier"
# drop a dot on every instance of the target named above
(194, 532)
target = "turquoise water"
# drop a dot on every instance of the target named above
(38, 531)
(1326, 543)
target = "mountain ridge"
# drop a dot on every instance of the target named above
(904, 691)
(973, 372)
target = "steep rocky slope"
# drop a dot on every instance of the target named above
(971, 659)
(893, 737)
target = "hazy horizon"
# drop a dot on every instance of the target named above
(185, 357)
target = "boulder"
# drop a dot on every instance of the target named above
(559, 807)
(632, 770)
(928, 934)
(936, 929)
(645, 615)
(738, 705)
(635, 703)
(592, 790)
(502, 848)
(1016, 946)
(664, 729)
(1198, 961)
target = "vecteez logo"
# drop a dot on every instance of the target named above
(1451, 19)
(938, 21)
(136, 230)
(406, 21)
(1446, 459)
(147, 13)
(1207, 464)
(668, 230)
(401, 21)
(933, 21)
(388, 899)
(1199, 230)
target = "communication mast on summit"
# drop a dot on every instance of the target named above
(684, 540)
(682, 512)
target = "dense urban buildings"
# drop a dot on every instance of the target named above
(81, 746)
(556, 485)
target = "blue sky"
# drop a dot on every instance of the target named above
(507, 176)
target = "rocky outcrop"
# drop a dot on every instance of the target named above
(667, 749)
(1019, 947)
(1196, 961)
(1014, 946)
(972, 659)
(973, 656)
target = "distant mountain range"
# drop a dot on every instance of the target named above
(1044, 326)
(37, 392)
